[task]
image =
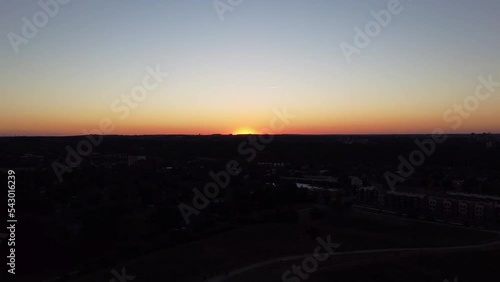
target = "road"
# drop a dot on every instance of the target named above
(395, 251)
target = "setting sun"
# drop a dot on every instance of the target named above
(245, 131)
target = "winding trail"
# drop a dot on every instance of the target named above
(396, 251)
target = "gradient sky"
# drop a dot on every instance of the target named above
(228, 76)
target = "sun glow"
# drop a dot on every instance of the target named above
(245, 131)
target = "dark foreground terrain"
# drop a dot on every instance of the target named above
(139, 205)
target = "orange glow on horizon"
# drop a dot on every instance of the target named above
(245, 131)
(305, 123)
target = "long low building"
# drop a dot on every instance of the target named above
(453, 206)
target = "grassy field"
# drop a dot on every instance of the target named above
(362, 231)
(254, 243)
(466, 267)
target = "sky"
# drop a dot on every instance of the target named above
(228, 72)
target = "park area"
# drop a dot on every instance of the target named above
(249, 244)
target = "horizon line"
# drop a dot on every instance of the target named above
(230, 134)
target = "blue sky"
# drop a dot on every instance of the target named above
(264, 54)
